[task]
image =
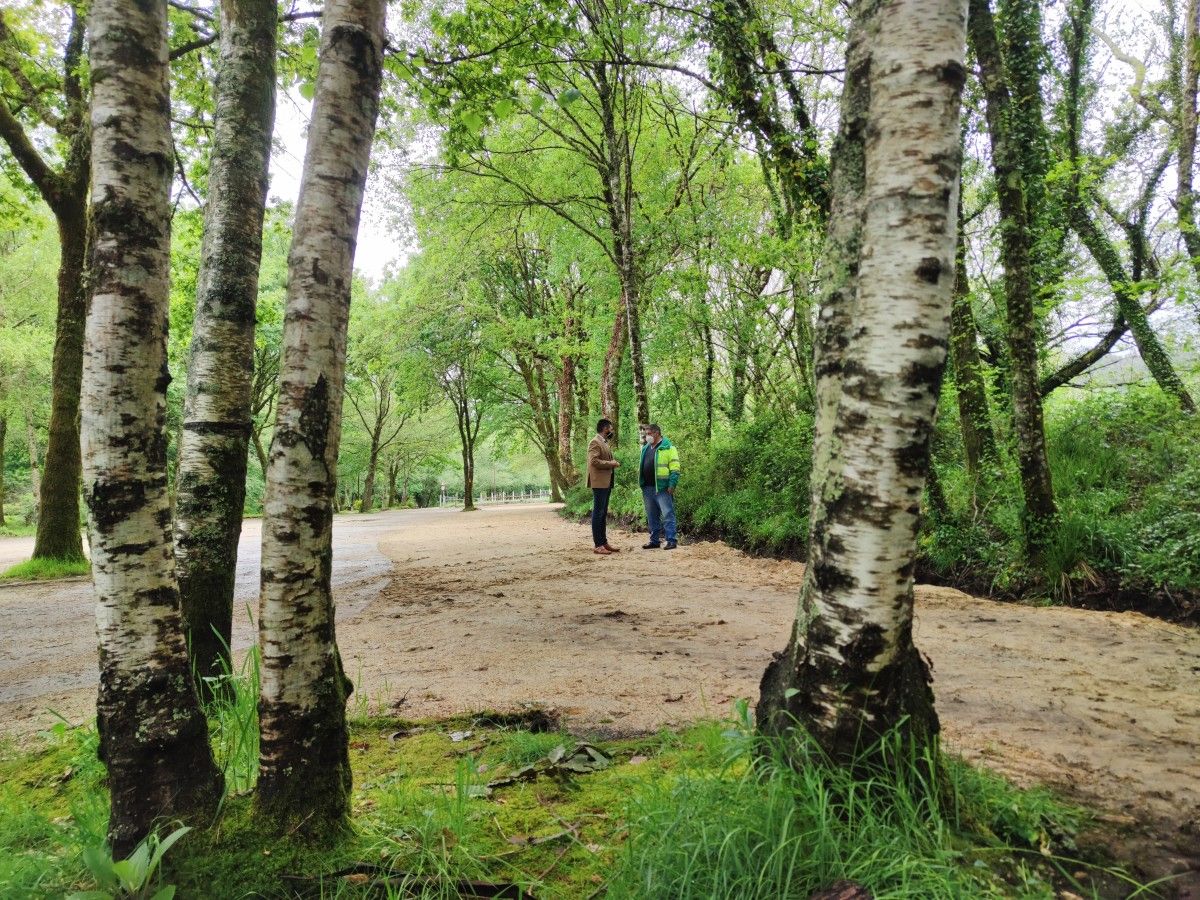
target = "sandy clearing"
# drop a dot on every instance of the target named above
(508, 606)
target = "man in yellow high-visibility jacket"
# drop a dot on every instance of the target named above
(658, 475)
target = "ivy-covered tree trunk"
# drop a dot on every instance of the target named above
(850, 672)
(1015, 255)
(1185, 193)
(1150, 348)
(211, 481)
(304, 765)
(153, 736)
(974, 414)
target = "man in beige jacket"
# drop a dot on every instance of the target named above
(600, 479)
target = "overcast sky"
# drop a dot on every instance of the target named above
(377, 245)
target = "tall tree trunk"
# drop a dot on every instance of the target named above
(610, 373)
(3, 437)
(259, 452)
(392, 473)
(211, 484)
(850, 672)
(58, 534)
(153, 736)
(1185, 194)
(1015, 238)
(304, 769)
(974, 414)
(579, 436)
(619, 200)
(566, 419)
(468, 461)
(710, 365)
(368, 494)
(35, 470)
(65, 192)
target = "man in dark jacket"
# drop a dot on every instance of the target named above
(658, 475)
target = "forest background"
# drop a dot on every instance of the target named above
(512, 232)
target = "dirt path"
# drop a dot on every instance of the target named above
(508, 606)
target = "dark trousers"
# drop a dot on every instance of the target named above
(600, 515)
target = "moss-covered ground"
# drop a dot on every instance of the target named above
(678, 814)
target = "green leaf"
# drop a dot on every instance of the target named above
(164, 845)
(100, 864)
(472, 121)
(166, 893)
(502, 108)
(790, 693)
(569, 96)
(308, 89)
(130, 876)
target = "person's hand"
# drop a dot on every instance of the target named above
(616, 464)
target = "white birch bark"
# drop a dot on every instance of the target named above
(153, 736)
(304, 777)
(852, 665)
(217, 405)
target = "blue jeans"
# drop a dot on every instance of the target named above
(600, 515)
(660, 514)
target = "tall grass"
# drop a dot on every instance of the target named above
(231, 705)
(761, 827)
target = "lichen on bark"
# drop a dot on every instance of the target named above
(850, 674)
(304, 772)
(153, 735)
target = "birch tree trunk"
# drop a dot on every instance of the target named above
(304, 768)
(211, 483)
(850, 673)
(153, 736)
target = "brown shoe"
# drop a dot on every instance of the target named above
(611, 549)
(603, 551)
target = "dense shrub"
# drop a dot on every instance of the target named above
(1127, 481)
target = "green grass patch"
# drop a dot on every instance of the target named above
(708, 811)
(17, 529)
(46, 569)
(699, 812)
